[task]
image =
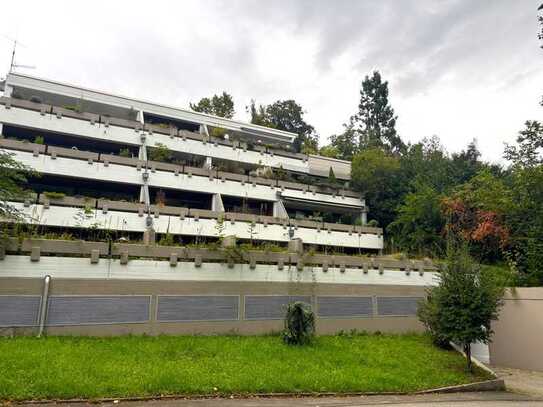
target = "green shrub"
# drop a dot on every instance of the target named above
(54, 195)
(166, 240)
(125, 152)
(160, 152)
(39, 140)
(299, 324)
(218, 132)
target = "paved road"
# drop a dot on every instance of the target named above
(485, 399)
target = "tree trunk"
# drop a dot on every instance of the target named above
(467, 351)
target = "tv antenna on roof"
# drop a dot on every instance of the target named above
(13, 63)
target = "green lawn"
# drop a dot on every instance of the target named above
(69, 367)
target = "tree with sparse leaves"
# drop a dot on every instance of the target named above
(218, 105)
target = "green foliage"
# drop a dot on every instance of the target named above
(374, 125)
(217, 132)
(376, 174)
(418, 225)
(524, 219)
(222, 106)
(125, 152)
(286, 115)
(13, 176)
(299, 324)
(166, 239)
(461, 308)
(345, 143)
(329, 151)
(39, 140)
(529, 146)
(54, 194)
(71, 367)
(375, 119)
(159, 152)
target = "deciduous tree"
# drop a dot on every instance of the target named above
(464, 304)
(218, 105)
(286, 115)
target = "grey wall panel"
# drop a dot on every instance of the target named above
(397, 305)
(89, 310)
(19, 310)
(198, 308)
(344, 307)
(270, 306)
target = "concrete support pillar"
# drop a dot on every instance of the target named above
(279, 210)
(149, 236)
(296, 246)
(7, 90)
(229, 241)
(142, 154)
(364, 217)
(216, 203)
(208, 163)
(140, 117)
(204, 130)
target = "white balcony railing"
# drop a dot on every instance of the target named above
(71, 217)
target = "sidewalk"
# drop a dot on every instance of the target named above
(521, 381)
(486, 399)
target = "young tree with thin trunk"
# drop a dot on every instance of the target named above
(461, 308)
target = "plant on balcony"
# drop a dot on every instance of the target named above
(166, 239)
(159, 152)
(220, 227)
(251, 229)
(54, 195)
(218, 132)
(39, 140)
(125, 152)
(299, 324)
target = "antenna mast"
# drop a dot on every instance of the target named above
(11, 66)
(13, 63)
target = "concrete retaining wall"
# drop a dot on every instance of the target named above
(116, 307)
(519, 331)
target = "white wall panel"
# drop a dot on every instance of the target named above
(79, 168)
(66, 267)
(67, 125)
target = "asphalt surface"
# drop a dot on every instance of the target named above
(442, 400)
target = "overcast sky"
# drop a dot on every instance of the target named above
(460, 69)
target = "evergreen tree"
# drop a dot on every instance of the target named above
(375, 120)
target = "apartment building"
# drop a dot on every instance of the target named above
(146, 218)
(142, 166)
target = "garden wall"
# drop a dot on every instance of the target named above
(519, 331)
